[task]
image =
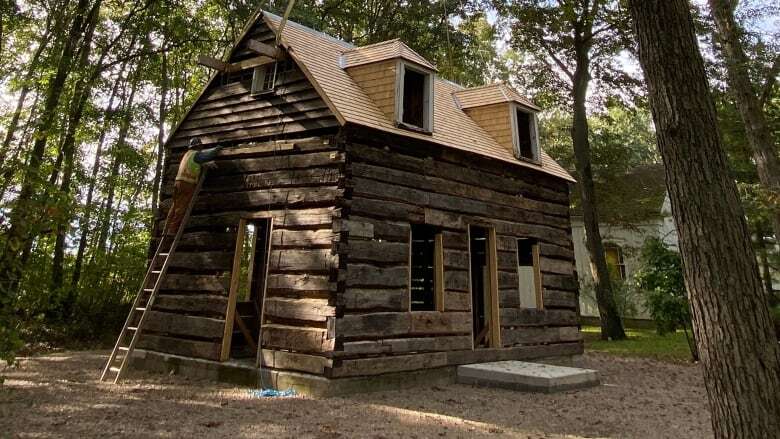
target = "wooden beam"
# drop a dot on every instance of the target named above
(218, 65)
(213, 63)
(261, 48)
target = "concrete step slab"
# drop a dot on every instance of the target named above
(522, 375)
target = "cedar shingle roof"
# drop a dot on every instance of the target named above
(383, 51)
(492, 94)
(320, 55)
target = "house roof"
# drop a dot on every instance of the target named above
(319, 56)
(492, 94)
(634, 197)
(385, 50)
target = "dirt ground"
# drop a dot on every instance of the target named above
(58, 395)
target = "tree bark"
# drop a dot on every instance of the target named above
(728, 35)
(158, 169)
(20, 218)
(611, 324)
(737, 344)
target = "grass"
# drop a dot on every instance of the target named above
(645, 343)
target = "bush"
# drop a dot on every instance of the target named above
(660, 277)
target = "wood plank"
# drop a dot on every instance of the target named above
(559, 282)
(204, 261)
(455, 358)
(264, 49)
(300, 283)
(537, 317)
(456, 280)
(457, 301)
(274, 180)
(367, 207)
(302, 238)
(457, 259)
(190, 326)
(267, 198)
(376, 252)
(406, 345)
(354, 228)
(434, 322)
(380, 324)
(177, 346)
(556, 266)
(560, 299)
(383, 229)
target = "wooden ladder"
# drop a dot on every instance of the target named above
(118, 361)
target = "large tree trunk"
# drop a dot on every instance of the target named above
(20, 218)
(611, 325)
(737, 344)
(759, 136)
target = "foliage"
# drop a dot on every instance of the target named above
(642, 343)
(661, 278)
(625, 293)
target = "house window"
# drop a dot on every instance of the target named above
(525, 137)
(264, 79)
(529, 274)
(614, 255)
(426, 268)
(415, 98)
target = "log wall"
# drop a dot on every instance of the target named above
(283, 163)
(392, 186)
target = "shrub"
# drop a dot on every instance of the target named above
(660, 277)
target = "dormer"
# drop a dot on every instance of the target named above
(506, 115)
(397, 79)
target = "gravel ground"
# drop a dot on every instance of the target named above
(58, 395)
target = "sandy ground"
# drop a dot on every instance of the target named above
(58, 395)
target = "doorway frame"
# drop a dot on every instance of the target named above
(235, 279)
(494, 323)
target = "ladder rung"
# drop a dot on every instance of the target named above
(114, 369)
(140, 309)
(124, 348)
(132, 328)
(148, 289)
(156, 271)
(163, 254)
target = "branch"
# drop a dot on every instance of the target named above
(557, 60)
(769, 84)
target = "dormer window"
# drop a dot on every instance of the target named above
(264, 79)
(414, 98)
(525, 139)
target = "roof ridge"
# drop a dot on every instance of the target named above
(492, 84)
(274, 17)
(368, 46)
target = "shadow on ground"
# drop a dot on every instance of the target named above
(58, 395)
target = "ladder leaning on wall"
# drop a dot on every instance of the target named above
(119, 360)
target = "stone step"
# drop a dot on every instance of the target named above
(522, 375)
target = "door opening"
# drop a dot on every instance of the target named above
(484, 300)
(250, 268)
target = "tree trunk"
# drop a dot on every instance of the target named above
(737, 344)
(80, 97)
(611, 325)
(20, 218)
(746, 96)
(158, 169)
(84, 222)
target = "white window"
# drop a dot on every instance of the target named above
(528, 274)
(414, 97)
(264, 79)
(525, 138)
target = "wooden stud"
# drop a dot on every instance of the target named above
(212, 63)
(495, 326)
(261, 317)
(538, 278)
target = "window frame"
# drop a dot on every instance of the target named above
(534, 127)
(438, 269)
(537, 272)
(401, 67)
(621, 265)
(257, 78)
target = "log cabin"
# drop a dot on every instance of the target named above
(369, 224)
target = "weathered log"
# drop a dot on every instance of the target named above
(302, 238)
(374, 299)
(434, 322)
(178, 346)
(537, 317)
(189, 326)
(266, 198)
(560, 299)
(194, 282)
(191, 304)
(283, 360)
(556, 266)
(274, 179)
(296, 338)
(406, 345)
(559, 282)
(534, 335)
(302, 260)
(204, 261)
(360, 275)
(457, 259)
(386, 210)
(457, 301)
(316, 310)
(456, 280)
(376, 252)
(374, 366)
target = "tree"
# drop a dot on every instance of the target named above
(748, 99)
(738, 349)
(574, 39)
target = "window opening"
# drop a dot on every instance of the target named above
(615, 264)
(423, 268)
(528, 274)
(484, 304)
(264, 79)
